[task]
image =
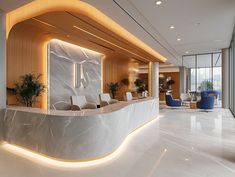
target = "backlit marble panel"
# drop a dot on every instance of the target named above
(78, 135)
(72, 71)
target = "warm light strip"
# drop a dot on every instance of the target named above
(39, 7)
(78, 28)
(43, 22)
(47, 161)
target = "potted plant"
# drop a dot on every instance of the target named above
(141, 85)
(113, 88)
(206, 85)
(170, 82)
(29, 89)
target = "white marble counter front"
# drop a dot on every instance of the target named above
(77, 135)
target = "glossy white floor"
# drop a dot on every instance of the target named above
(182, 143)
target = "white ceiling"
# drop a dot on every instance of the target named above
(151, 23)
(8, 5)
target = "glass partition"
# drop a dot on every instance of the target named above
(205, 71)
(232, 75)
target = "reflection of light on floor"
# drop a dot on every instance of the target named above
(194, 124)
(157, 163)
(218, 124)
(47, 161)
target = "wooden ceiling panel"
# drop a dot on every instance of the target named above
(74, 26)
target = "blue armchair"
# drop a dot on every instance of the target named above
(171, 102)
(206, 102)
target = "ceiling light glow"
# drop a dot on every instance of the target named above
(158, 3)
(178, 39)
(172, 27)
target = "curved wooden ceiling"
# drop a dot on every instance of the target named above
(81, 23)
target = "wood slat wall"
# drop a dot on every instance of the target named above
(26, 54)
(175, 87)
(115, 68)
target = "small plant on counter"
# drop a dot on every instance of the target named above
(113, 88)
(141, 85)
(29, 89)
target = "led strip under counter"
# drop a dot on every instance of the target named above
(77, 135)
(48, 161)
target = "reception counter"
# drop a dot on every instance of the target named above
(77, 135)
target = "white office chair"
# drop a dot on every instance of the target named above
(105, 99)
(128, 96)
(80, 102)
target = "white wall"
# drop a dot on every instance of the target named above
(2, 60)
(2, 69)
(169, 69)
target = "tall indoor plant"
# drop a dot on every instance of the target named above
(29, 89)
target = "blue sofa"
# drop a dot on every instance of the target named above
(206, 102)
(172, 102)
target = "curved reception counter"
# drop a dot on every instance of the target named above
(77, 135)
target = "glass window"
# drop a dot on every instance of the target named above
(204, 72)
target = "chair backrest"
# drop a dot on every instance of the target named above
(79, 101)
(61, 105)
(168, 97)
(105, 97)
(129, 96)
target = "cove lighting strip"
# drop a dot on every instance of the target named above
(53, 163)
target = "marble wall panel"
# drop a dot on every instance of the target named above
(73, 71)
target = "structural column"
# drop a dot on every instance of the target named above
(154, 82)
(2, 60)
(225, 78)
(182, 79)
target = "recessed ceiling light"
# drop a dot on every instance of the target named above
(158, 3)
(178, 39)
(186, 52)
(172, 27)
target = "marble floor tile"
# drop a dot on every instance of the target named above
(181, 143)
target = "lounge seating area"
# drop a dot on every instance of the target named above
(206, 101)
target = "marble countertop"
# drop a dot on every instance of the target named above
(85, 112)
